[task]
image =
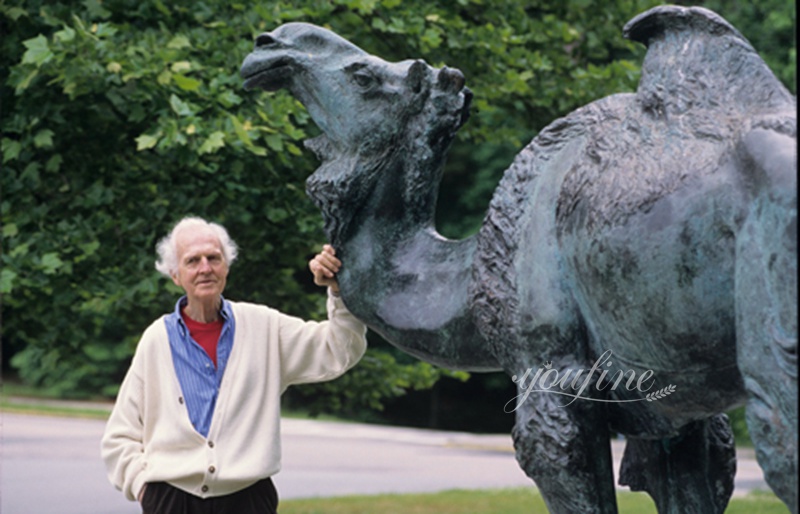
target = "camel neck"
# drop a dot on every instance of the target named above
(414, 291)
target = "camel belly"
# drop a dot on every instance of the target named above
(656, 290)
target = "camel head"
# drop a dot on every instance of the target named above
(376, 116)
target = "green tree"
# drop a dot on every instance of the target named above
(118, 119)
(119, 124)
(120, 116)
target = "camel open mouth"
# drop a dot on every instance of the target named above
(271, 77)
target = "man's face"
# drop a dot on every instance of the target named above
(202, 270)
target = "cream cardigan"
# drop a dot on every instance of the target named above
(149, 437)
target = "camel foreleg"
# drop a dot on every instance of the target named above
(565, 449)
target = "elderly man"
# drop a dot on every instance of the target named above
(195, 428)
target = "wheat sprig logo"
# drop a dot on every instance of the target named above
(661, 393)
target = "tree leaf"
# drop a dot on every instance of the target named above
(7, 277)
(38, 51)
(11, 149)
(15, 13)
(179, 42)
(275, 142)
(10, 230)
(51, 262)
(164, 78)
(213, 143)
(43, 139)
(240, 130)
(180, 107)
(257, 150)
(23, 84)
(145, 142)
(90, 248)
(229, 99)
(180, 66)
(54, 163)
(65, 35)
(186, 83)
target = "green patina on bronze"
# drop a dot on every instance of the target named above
(659, 225)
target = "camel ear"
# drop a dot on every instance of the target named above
(450, 80)
(417, 78)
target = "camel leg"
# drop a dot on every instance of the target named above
(689, 474)
(566, 451)
(766, 333)
(766, 306)
(767, 358)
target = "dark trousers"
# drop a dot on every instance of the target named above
(162, 498)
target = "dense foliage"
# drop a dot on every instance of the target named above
(120, 116)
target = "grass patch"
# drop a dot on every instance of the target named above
(524, 500)
(21, 399)
(301, 414)
(11, 388)
(757, 502)
(51, 410)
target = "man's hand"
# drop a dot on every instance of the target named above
(325, 266)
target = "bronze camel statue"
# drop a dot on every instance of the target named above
(648, 237)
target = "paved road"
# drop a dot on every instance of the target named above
(51, 465)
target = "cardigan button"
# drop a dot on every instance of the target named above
(211, 469)
(204, 488)
(180, 400)
(211, 444)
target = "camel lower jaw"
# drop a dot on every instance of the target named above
(321, 147)
(272, 78)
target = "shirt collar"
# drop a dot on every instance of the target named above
(226, 311)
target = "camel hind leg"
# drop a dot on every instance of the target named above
(766, 308)
(767, 356)
(689, 474)
(766, 333)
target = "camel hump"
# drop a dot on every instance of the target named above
(697, 59)
(672, 18)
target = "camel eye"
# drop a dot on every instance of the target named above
(364, 79)
(363, 75)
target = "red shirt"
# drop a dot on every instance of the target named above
(206, 334)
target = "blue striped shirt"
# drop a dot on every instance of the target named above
(198, 378)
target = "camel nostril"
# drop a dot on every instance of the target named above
(264, 40)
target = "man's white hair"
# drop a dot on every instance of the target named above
(167, 248)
